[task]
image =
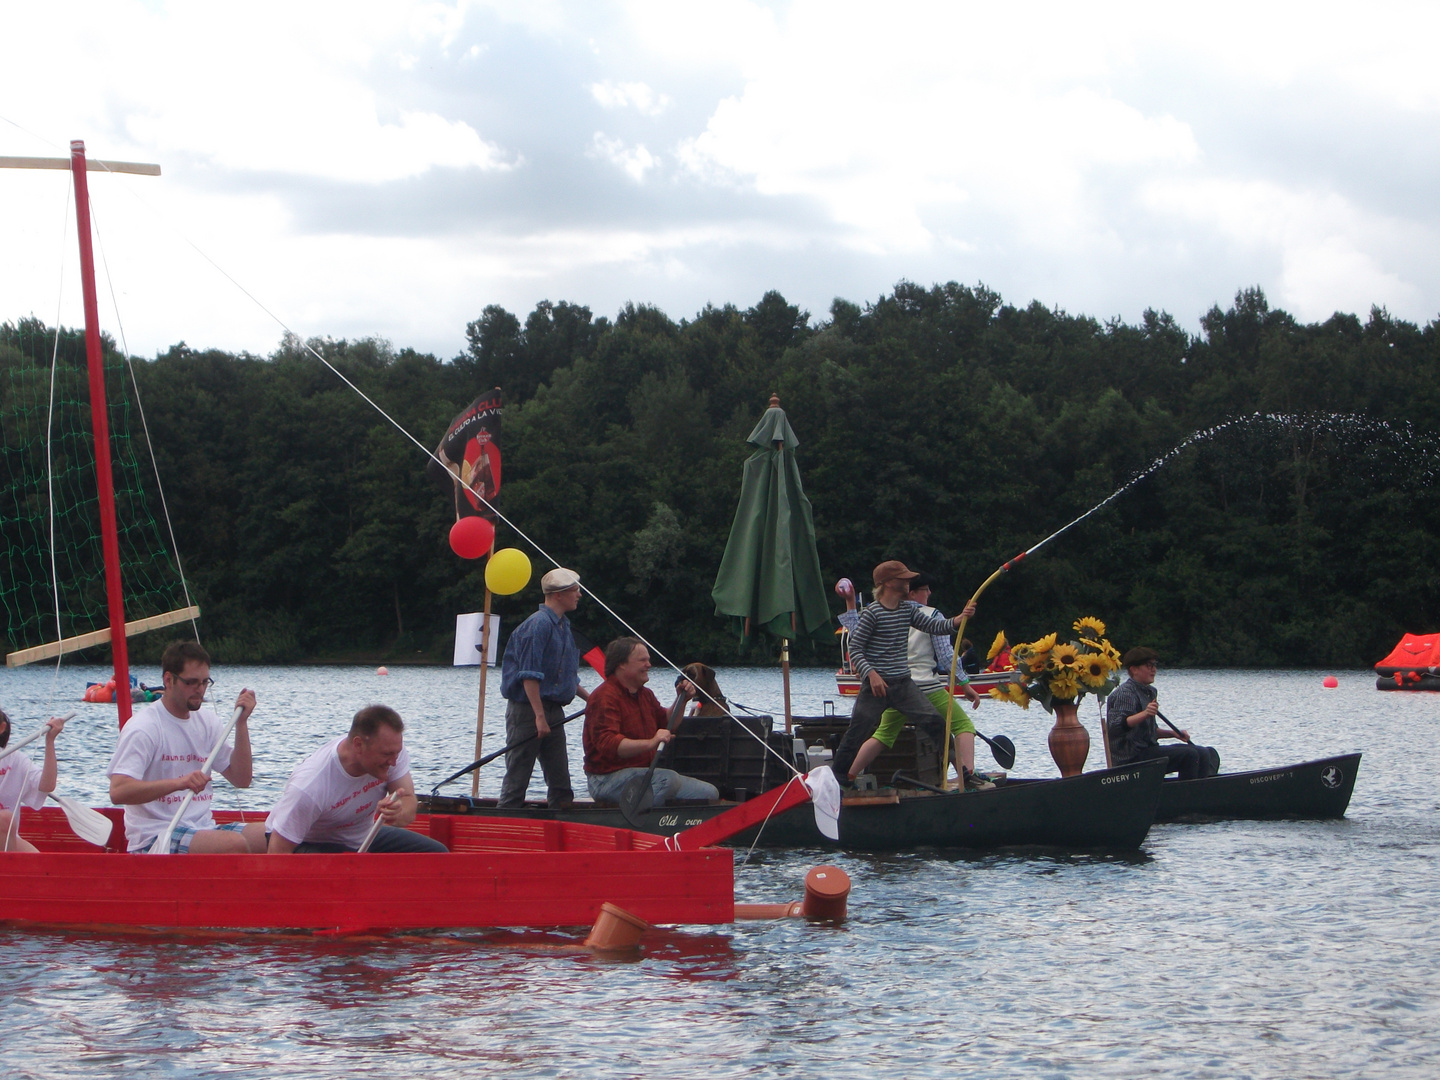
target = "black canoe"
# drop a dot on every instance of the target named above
(1313, 790)
(1111, 809)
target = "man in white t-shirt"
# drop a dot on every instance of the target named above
(23, 785)
(334, 795)
(160, 755)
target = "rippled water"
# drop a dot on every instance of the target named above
(1286, 949)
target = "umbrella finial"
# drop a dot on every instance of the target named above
(774, 401)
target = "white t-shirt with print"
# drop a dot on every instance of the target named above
(154, 745)
(20, 783)
(323, 804)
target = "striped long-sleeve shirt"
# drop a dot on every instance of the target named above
(880, 639)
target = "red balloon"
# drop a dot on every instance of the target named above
(471, 537)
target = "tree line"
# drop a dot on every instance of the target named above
(939, 425)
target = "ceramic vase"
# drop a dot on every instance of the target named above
(1069, 741)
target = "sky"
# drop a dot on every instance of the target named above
(389, 169)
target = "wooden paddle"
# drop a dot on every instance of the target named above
(637, 795)
(162, 842)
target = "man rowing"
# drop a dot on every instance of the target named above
(332, 798)
(1130, 714)
(625, 726)
(23, 785)
(880, 655)
(160, 756)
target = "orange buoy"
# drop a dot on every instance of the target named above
(615, 930)
(826, 891)
(1330, 682)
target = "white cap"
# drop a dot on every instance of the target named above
(558, 580)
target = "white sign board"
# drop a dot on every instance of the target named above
(467, 638)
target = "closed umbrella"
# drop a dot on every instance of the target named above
(770, 574)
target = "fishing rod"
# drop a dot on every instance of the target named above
(1005, 567)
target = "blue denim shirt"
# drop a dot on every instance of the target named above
(541, 648)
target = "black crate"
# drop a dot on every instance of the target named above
(914, 754)
(717, 750)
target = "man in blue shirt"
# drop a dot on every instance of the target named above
(539, 677)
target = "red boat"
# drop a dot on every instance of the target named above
(500, 872)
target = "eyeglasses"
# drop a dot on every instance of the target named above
(193, 683)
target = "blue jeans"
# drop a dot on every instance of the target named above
(665, 783)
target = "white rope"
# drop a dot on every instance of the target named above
(144, 425)
(49, 461)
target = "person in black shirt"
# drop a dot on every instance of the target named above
(1130, 720)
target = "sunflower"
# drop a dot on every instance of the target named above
(1065, 686)
(996, 646)
(1019, 696)
(1089, 622)
(998, 693)
(1045, 644)
(1063, 657)
(1093, 670)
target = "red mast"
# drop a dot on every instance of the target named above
(105, 480)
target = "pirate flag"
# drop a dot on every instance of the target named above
(470, 457)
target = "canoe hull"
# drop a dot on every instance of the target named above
(499, 873)
(1111, 810)
(1312, 790)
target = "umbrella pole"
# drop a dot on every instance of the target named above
(785, 673)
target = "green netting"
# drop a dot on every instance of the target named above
(151, 581)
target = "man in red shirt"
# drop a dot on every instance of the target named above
(624, 727)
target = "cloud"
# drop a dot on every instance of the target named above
(634, 95)
(392, 167)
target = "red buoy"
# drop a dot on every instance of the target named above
(1330, 682)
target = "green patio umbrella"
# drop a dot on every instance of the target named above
(770, 574)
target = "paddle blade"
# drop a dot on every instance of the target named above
(90, 825)
(825, 794)
(636, 797)
(1003, 751)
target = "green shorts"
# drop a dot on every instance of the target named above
(892, 720)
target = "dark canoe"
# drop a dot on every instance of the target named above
(1111, 809)
(1313, 790)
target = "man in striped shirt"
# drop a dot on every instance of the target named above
(880, 655)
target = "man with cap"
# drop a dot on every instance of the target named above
(1130, 723)
(539, 677)
(880, 655)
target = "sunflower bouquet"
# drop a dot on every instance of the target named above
(1050, 670)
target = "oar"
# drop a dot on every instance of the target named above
(637, 795)
(1001, 748)
(90, 825)
(162, 842)
(503, 750)
(28, 739)
(374, 829)
(1172, 727)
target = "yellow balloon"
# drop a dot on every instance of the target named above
(508, 571)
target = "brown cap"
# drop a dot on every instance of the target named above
(1138, 656)
(892, 570)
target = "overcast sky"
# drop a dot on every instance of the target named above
(391, 168)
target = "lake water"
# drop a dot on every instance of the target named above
(1285, 949)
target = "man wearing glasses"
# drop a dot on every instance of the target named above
(1130, 720)
(159, 757)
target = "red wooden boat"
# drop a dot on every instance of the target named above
(500, 872)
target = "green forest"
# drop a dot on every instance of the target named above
(940, 426)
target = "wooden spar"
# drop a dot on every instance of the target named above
(91, 165)
(484, 671)
(105, 480)
(99, 637)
